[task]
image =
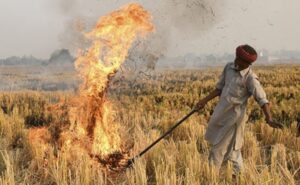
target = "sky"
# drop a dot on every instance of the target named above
(39, 27)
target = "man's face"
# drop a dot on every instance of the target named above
(240, 64)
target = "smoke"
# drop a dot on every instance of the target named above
(65, 7)
(68, 6)
(176, 22)
(76, 21)
(72, 36)
(189, 17)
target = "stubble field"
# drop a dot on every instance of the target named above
(145, 108)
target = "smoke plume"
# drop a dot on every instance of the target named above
(176, 22)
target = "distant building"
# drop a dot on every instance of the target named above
(263, 55)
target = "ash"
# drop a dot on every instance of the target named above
(116, 162)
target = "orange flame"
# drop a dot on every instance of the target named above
(91, 130)
(111, 39)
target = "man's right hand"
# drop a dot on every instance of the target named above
(200, 105)
(203, 102)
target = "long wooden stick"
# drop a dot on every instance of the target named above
(131, 161)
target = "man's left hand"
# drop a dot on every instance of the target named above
(274, 124)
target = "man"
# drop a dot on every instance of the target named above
(226, 127)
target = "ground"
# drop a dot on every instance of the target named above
(146, 107)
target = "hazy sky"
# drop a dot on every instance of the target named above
(38, 27)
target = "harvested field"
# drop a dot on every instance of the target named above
(144, 110)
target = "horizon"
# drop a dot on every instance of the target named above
(177, 56)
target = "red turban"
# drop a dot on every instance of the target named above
(244, 55)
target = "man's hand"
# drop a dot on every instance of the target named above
(274, 124)
(203, 102)
(269, 120)
(200, 105)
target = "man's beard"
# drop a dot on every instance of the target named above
(236, 67)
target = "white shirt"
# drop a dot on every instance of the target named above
(230, 112)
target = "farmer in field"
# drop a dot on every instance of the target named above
(226, 126)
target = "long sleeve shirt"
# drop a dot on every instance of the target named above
(230, 112)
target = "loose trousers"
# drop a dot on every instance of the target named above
(225, 151)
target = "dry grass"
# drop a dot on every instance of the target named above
(146, 109)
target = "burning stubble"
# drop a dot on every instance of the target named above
(90, 129)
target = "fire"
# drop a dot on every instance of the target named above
(91, 128)
(111, 38)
